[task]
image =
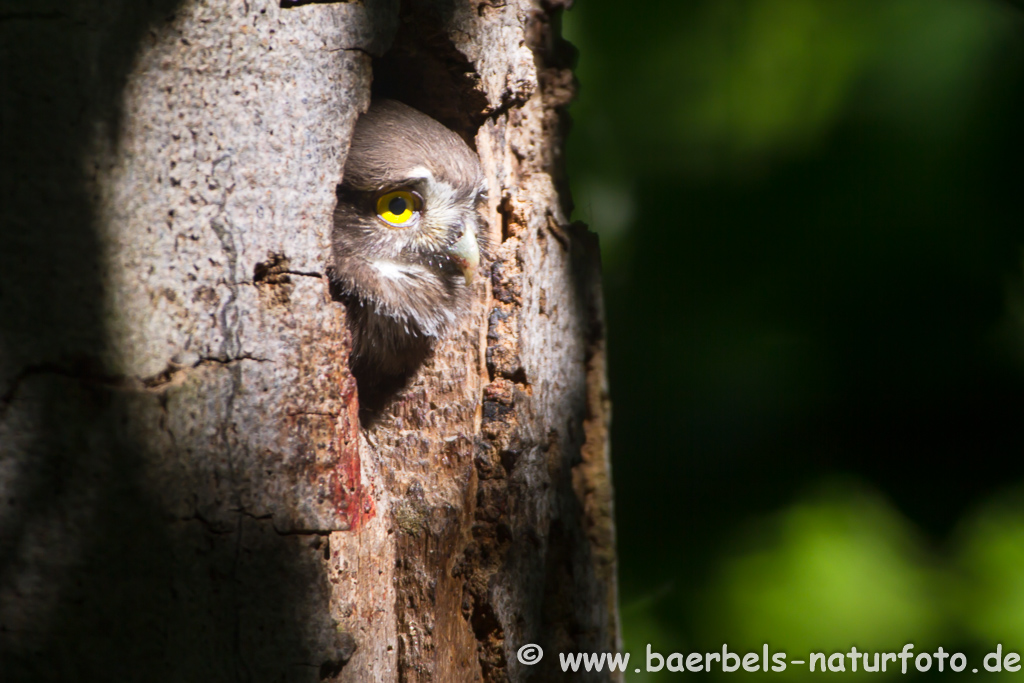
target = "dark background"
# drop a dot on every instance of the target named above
(810, 214)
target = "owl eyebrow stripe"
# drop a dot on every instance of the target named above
(420, 173)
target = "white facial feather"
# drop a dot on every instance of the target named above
(442, 210)
(394, 271)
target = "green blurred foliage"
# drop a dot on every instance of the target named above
(710, 88)
(990, 555)
(742, 78)
(812, 244)
(837, 570)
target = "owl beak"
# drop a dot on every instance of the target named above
(466, 253)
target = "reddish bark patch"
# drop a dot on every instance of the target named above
(355, 504)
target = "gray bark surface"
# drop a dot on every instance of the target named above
(186, 491)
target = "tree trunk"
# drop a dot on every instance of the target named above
(187, 491)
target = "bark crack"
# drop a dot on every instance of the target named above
(174, 370)
(352, 49)
(302, 273)
(221, 360)
(289, 4)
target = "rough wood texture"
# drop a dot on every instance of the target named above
(187, 491)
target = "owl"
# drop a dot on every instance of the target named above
(407, 240)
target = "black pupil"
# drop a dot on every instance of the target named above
(397, 206)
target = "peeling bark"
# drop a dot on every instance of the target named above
(187, 491)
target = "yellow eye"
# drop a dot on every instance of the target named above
(397, 208)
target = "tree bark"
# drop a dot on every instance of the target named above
(187, 491)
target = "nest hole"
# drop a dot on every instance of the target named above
(426, 71)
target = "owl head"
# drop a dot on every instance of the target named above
(407, 236)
